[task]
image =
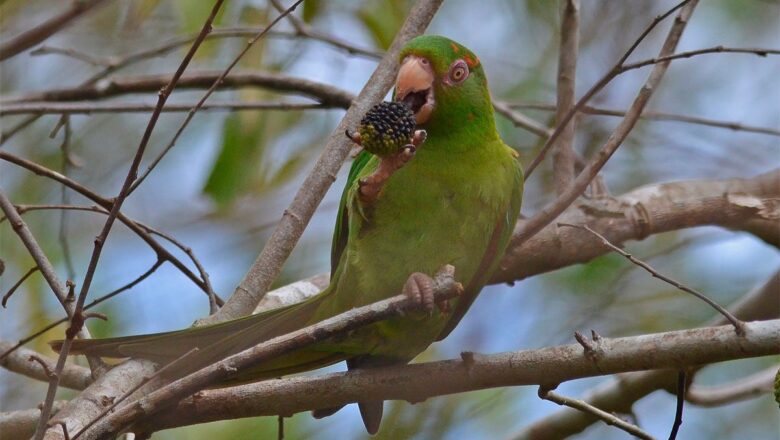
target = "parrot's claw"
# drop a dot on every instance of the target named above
(419, 288)
(370, 186)
(354, 137)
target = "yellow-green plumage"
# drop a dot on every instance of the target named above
(455, 202)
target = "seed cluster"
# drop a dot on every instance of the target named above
(386, 128)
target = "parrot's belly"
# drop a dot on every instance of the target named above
(419, 223)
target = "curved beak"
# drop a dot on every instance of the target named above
(414, 86)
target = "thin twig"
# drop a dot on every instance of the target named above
(295, 218)
(141, 107)
(93, 303)
(217, 82)
(606, 79)
(71, 53)
(105, 204)
(35, 35)
(323, 93)
(739, 326)
(17, 284)
(653, 115)
(563, 152)
(519, 120)
(76, 320)
(748, 387)
(616, 138)
(17, 128)
(581, 405)
(678, 413)
(623, 68)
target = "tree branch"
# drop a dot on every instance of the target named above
(563, 152)
(616, 138)
(551, 365)
(33, 36)
(620, 393)
(742, 204)
(742, 389)
(77, 319)
(652, 115)
(323, 93)
(72, 376)
(445, 288)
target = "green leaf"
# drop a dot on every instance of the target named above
(234, 166)
(383, 19)
(311, 9)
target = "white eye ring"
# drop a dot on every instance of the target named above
(459, 71)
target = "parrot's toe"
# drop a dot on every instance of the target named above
(419, 287)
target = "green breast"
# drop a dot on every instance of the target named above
(439, 209)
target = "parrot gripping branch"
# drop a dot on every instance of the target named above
(444, 287)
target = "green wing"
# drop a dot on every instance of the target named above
(341, 231)
(493, 253)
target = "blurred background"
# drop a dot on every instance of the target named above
(228, 179)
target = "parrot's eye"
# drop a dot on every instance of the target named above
(459, 71)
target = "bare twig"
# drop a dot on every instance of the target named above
(17, 284)
(678, 413)
(584, 406)
(742, 389)
(520, 120)
(649, 114)
(620, 393)
(323, 93)
(563, 154)
(105, 204)
(551, 211)
(217, 82)
(76, 320)
(33, 36)
(72, 53)
(141, 107)
(17, 128)
(739, 326)
(671, 40)
(445, 287)
(295, 218)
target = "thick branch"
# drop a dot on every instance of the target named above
(72, 376)
(563, 152)
(21, 424)
(445, 288)
(619, 394)
(743, 204)
(552, 365)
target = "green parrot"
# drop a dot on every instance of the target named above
(452, 200)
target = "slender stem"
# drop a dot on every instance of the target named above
(739, 326)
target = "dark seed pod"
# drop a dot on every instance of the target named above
(386, 128)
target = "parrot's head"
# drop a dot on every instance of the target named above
(444, 84)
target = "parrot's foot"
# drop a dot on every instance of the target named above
(421, 288)
(370, 186)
